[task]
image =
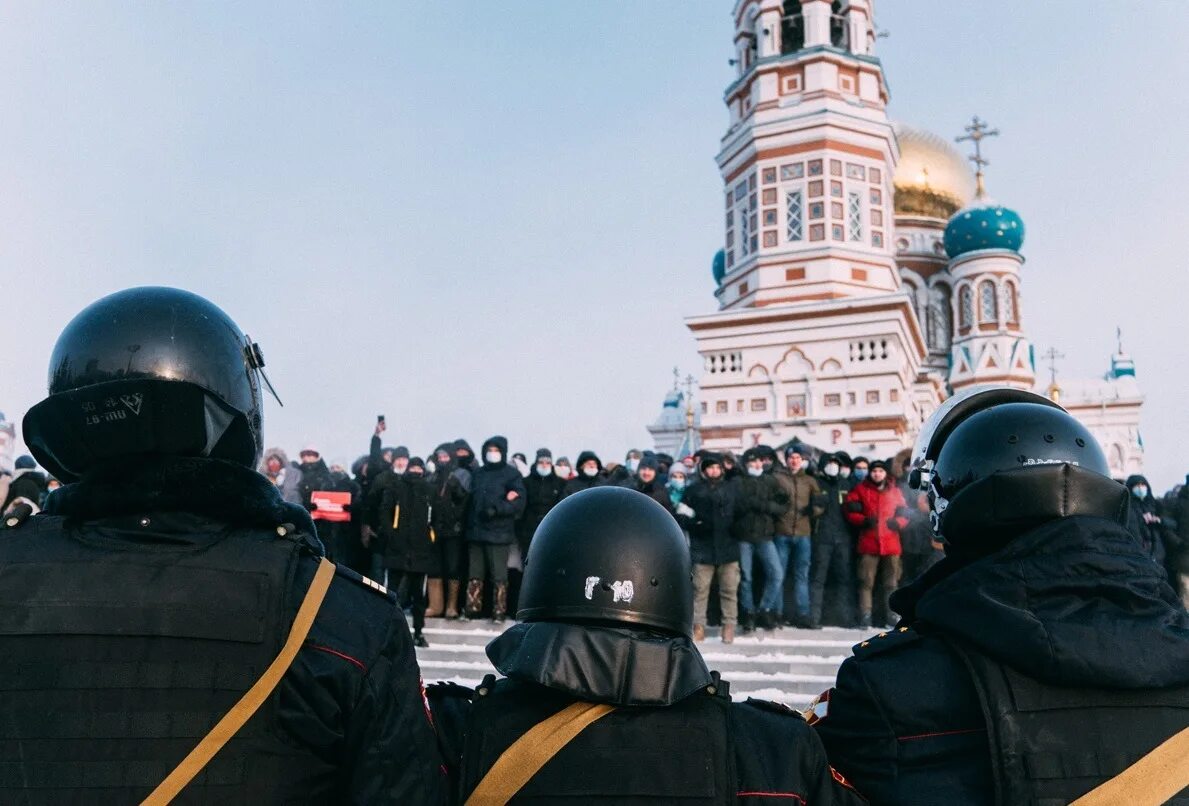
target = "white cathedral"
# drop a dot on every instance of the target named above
(865, 275)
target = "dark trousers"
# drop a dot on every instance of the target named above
(449, 557)
(488, 561)
(832, 565)
(411, 585)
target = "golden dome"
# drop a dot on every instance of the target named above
(932, 178)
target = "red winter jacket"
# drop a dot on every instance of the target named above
(869, 501)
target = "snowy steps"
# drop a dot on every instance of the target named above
(789, 665)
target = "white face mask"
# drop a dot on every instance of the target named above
(633, 465)
(544, 470)
(590, 472)
(755, 471)
(844, 472)
(562, 471)
(430, 466)
(677, 483)
(493, 457)
(831, 470)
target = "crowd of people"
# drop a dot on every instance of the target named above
(788, 537)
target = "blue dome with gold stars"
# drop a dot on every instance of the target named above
(985, 225)
(719, 267)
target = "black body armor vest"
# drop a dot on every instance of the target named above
(116, 658)
(1051, 745)
(680, 754)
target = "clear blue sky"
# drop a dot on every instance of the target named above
(492, 217)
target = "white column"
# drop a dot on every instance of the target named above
(816, 14)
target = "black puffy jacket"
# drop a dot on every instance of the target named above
(492, 515)
(1076, 604)
(760, 501)
(710, 539)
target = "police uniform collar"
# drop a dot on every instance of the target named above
(220, 490)
(615, 665)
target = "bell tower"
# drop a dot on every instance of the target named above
(814, 338)
(808, 157)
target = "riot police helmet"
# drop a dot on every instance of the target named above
(609, 555)
(996, 461)
(148, 371)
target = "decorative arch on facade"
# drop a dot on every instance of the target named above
(1011, 303)
(758, 371)
(831, 366)
(939, 320)
(794, 365)
(988, 302)
(965, 307)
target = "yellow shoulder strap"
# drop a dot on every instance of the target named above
(235, 719)
(528, 754)
(1151, 781)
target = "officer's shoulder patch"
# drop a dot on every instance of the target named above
(357, 578)
(773, 707)
(884, 641)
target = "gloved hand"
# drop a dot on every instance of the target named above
(684, 511)
(869, 522)
(894, 524)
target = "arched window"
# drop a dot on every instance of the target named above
(941, 322)
(965, 307)
(1011, 311)
(837, 25)
(988, 303)
(792, 27)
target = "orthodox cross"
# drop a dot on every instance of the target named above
(975, 133)
(1053, 356)
(689, 398)
(1119, 338)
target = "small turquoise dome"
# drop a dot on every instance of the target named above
(719, 267)
(984, 226)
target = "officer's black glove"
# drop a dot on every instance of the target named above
(869, 523)
(894, 524)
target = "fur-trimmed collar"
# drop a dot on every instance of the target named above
(220, 490)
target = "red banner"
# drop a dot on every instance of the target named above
(330, 506)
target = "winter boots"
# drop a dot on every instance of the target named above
(747, 623)
(419, 640)
(864, 621)
(699, 632)
(728, 633)
(499, 604)
(452, 588)
(474, 598)
(433, 590)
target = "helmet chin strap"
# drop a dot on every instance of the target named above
(255, 358)
(986, 515)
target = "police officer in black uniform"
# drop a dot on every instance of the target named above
(161, 582)
(606, 612)
(1045, 654)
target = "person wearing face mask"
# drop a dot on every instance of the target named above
(648, 481)
(283, 475)
(590, 470)
(562, 469)
(876, 506)
(447, 517)
(713, 549)
(403, 531)
(859, 468)
(761, 500)
(520, 462)
(844, 464)
(676, 484)
(381, 491)
(832, 565)
(1144, 518)
(542, 491)
(497, 500)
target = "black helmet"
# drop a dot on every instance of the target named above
(148, 371)
(998, 461)
(609, 554)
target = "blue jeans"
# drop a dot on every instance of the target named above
(773, 575)
(799, 548)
